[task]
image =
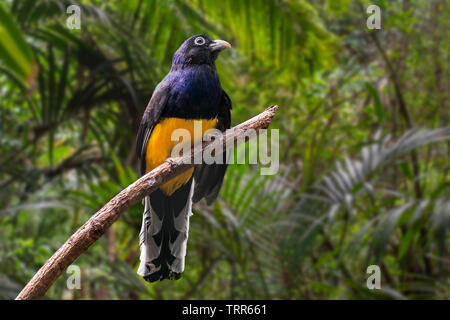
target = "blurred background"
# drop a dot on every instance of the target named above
(364, 146)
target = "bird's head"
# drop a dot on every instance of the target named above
(197, 50)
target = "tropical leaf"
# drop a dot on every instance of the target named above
(15, 54)
(342, 185)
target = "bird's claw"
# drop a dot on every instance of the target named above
(171, 161)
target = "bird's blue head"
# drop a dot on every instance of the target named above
(197, 50)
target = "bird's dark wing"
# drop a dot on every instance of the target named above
(209, 177)
(150, 118)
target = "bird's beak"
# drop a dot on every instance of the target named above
(219, 45)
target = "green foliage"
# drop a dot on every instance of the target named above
(15, 53)
(359, 183)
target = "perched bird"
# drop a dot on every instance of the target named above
(190, 91)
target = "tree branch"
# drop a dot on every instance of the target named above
(403, 110)
(97, 225)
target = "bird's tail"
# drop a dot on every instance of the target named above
(164, 233)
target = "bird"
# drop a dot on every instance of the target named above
(191, 91)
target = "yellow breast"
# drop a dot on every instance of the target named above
(160, 145)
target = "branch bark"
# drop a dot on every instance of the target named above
(97, 225)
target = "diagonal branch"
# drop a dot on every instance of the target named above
(97, 225)
(403, 109)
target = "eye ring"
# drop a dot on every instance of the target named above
(199, 41)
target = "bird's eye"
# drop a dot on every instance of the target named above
(199, 41)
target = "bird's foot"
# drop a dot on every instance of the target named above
(171, 161)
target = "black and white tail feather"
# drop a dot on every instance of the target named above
(165, 223)
(164, 234)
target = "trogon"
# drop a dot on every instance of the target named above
(190, 91)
